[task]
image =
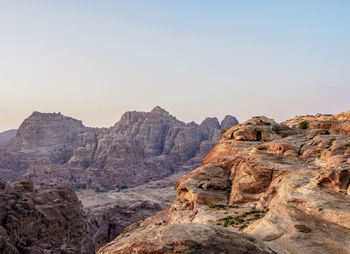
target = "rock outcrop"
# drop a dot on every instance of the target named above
(44, 220)
(264, 188)
(7, 135)
(55, 149)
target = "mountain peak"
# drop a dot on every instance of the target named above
(159, 110)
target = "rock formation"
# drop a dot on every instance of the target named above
(55, 149)
(45, 220)
(264, 188)
(7, 135)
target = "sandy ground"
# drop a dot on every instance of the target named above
(161, 192)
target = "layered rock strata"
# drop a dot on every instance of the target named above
(264, 188)
(142, 146)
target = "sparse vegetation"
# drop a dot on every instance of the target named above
(330, 142)
(80, 187)
(123, 187)
(228, 188)
(223, 131)
(325, 133)
(243, 219)
(218, 207)
(222, 207)
(303, 125)
(260, 147)
(347, 144)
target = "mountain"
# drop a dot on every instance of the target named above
(142, 146)
(264, 188)
(7, 135)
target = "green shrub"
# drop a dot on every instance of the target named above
(239, 219)
(260, 147)
(223, 131)
(330, 142)
(243, 226)
(347, 144)
(228, 188)
(303, 125)
(218, 207)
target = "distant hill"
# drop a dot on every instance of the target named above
(7, 135)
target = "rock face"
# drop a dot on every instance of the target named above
(7, 135)
(267, 187)
(109, 221)
(44, 220)
(55, 149)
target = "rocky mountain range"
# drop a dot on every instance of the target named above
(264, 188)
(142, 146)
(7, 135)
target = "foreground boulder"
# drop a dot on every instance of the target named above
(44, 220)
(286, 186)
(184, 238)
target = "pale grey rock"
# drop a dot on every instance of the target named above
(7, 135)
(142, 146)
(228, 122)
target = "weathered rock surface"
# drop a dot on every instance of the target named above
(55, 149)
(44, 220)
(110, 212)
(286, 187)
(7, 135)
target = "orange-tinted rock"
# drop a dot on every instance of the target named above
(290, 189)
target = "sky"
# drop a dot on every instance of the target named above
(94, 60)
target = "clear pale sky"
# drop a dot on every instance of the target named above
(94, 60)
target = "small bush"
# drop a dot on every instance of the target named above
(228, 188)
(330, 142)
(243, 226)
(223, 131)
(347, 144)
(239, 219)
(303, 125)
(260, 147)
(218, 207)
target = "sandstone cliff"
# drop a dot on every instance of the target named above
(264, 188)
(142, 146)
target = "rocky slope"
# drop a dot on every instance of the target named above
(44, 220)
(7, 135)
(55, 149)
(112, 211)
(264, 188)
